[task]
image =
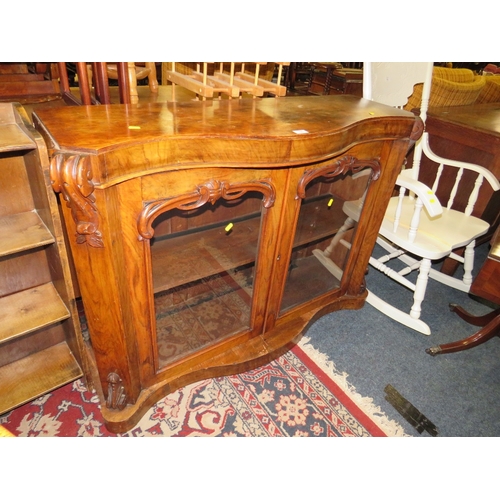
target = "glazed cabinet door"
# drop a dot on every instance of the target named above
(208, 241)
(316, 249)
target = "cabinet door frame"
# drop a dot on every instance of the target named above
(158, 193)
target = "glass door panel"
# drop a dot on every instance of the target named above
(203, 264)
(322, 240)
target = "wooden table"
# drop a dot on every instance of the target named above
(487, 286)
(192, 226)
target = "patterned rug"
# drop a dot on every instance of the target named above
(299, 394)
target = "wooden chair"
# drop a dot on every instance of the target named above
(136, 71)
(95, 76)
(98, 74)
(418, 228)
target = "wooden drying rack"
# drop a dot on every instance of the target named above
(233, 83)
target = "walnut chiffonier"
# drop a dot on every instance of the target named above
(195, 228)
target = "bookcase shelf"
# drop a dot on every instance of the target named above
(41, 347)
(23, 231)
(35, 375)
(12, 138)
(29, 310)
(237, 247)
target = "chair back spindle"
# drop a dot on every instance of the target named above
(454, 190)
(439, 172)
(474, 195)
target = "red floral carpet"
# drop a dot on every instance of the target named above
(292, 396)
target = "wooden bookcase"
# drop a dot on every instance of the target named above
(41, 347)
(330, 79)
(196, 227)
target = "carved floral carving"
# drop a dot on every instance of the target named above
(204, 193)
(71, 175)
(342, 166)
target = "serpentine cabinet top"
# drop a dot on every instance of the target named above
(268, 132)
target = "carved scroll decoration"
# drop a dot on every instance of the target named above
(342, 166)
(208, 192)
(418, 129)
(117, 399)
(71, 175)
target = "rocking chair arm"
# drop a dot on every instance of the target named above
(425, 193)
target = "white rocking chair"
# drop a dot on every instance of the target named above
(418, 228)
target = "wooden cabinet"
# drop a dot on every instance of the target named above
(196, 228)
(40, 340)
(333, 79)
(18, 83)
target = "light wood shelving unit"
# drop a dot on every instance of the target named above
(41, 347)
(208, 80)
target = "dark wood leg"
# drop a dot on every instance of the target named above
(83, 83)
(474, 320)
(291, 75)
(123, 83)
(492, 329)
(68, 97)
(328, 82)
(101, 82)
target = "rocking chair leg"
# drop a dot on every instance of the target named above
(469, 263)
(324, 256)
(421, 285)
(348, 224)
